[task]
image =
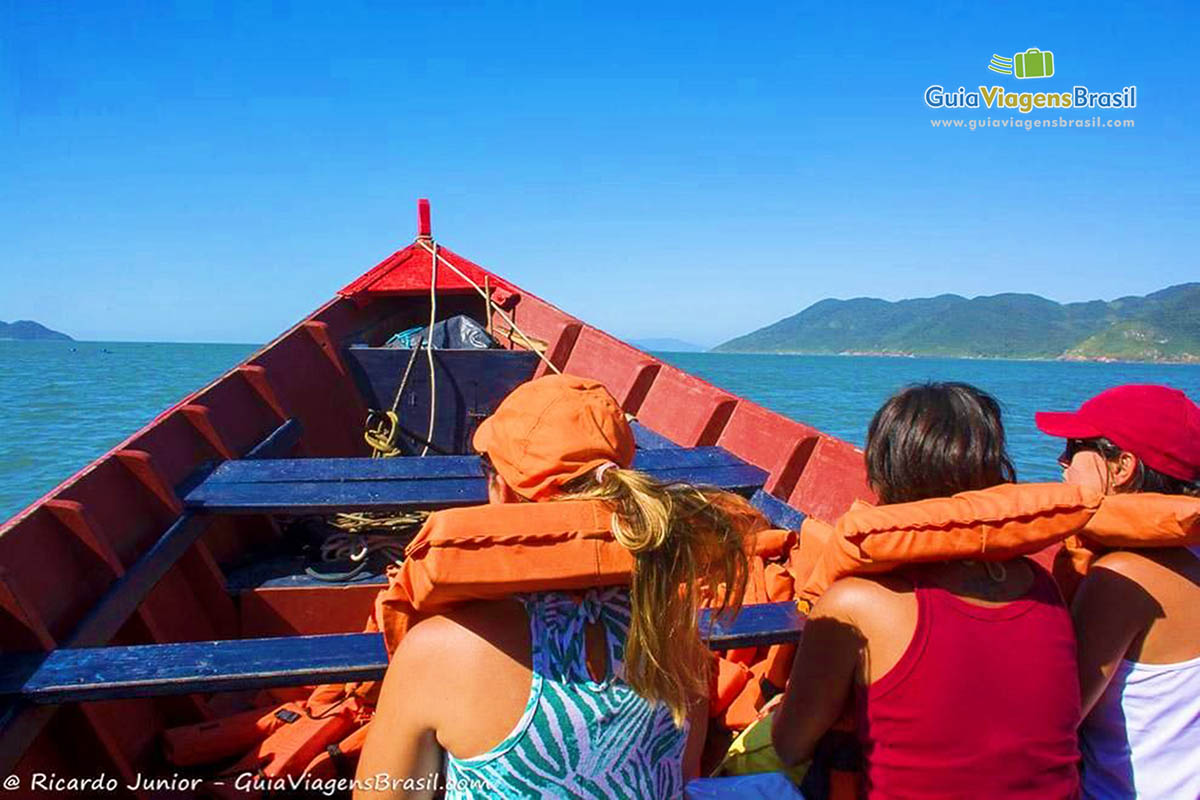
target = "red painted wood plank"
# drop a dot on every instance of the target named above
(21, 611)
(56, 577)
(200, 418)
(123, 509)
(771, 441)
(833, 479)
(238, 412)
(408, 271)
(151, 476)
(687, 410)
(626, 371)
(306, 610)
(255, 376)
(69, 746)
(539, 320)
(312, 390)
(75, 517)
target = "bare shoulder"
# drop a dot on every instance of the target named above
(1128, 563)
(470, 631)
(1121, 582)
(862, 597)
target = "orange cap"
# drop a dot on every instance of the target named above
(552, 430)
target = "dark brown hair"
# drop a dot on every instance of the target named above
(1147, 479)
(934, 440)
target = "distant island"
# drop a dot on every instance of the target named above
(1163, 326)
(667, 345)
(27, 330)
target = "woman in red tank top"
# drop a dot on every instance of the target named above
(962, 675)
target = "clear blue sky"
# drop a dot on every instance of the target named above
(213, 171)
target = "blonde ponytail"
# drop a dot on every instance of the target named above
(689, 546)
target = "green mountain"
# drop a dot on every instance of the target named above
(26, 329)
(1163, 326)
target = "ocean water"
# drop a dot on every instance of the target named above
(840, 394)
(64, 403)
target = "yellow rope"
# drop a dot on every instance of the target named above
(381, 437)
(429, 349)
(503, 315)
(383, 427)
(359, 521)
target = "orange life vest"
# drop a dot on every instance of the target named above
(1127, 521)
(997, 523)
(486, 553)
(993, 524)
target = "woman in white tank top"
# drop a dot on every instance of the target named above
(1137, 612)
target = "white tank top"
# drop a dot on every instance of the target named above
(1142, 740)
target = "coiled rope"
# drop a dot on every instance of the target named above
(363, 533)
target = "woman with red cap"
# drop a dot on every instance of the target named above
(552, 695)
(1137, 612)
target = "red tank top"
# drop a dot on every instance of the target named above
(984, 703)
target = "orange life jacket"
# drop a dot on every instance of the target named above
(486, 553)
(1135, 520)
(993, 524)
(219, 739)
(997, 523)
(498, 550)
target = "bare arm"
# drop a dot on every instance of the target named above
(697, 733)
(402, 742)
(1110, 611)
(822, 675)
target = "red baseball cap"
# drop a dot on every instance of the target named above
(1158, 424)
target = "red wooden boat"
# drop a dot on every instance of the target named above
(173, 537)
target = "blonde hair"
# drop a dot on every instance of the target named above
(690, 549)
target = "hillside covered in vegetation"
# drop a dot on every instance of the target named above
(24, 329)
(1163, 326)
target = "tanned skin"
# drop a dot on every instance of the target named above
(1139, 605)
(858, 631)
(458, 683)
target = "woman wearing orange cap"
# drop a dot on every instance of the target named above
(1137, 612)
(551, 695)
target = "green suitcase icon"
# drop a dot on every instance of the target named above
(1034, 63)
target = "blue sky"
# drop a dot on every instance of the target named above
(213, 171)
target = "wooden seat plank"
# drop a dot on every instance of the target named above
(326, 485)
(107, 673)
(20, 723)
(779, 513)
(756, 625)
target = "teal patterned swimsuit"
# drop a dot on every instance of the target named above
(578, 738)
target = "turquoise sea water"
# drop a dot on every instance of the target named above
(64, 403)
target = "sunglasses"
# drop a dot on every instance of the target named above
(1074, 446)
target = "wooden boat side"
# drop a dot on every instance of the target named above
(59, 556)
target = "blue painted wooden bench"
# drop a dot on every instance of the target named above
(107, 673)
(82, 670)
(328, 485)
(20, 723)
